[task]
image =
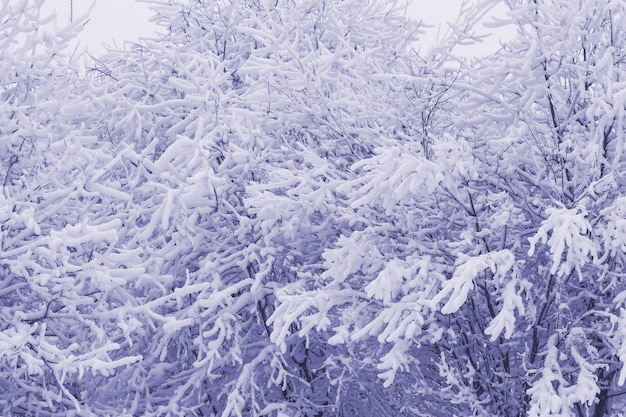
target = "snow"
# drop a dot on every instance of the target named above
(458, 287)
(569, 230)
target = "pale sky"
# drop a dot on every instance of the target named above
(112, 22)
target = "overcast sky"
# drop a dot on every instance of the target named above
(113, 22)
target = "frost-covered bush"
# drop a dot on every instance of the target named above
(279, 208)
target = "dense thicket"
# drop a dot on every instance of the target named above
(279, 208)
